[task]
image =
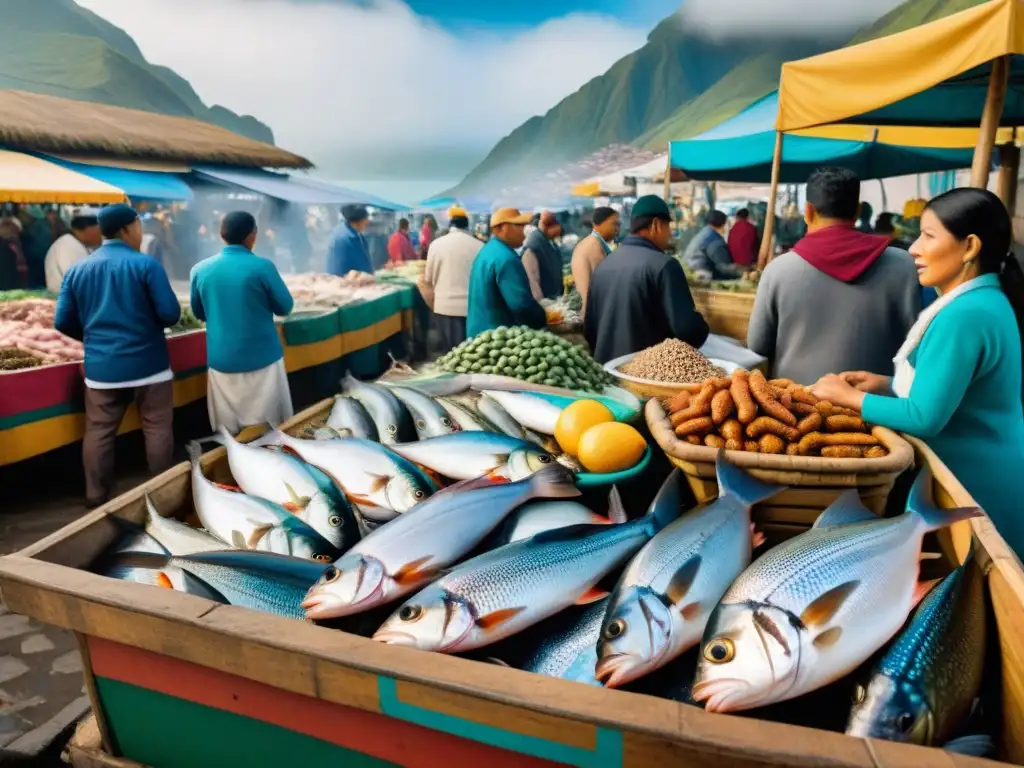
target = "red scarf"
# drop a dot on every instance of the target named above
(840, 251)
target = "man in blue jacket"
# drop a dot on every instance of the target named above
(118, 303)
(238, 294)
(348, 250)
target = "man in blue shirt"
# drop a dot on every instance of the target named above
(499, 290)
(238, 294)
(348, 250)
(118, 303)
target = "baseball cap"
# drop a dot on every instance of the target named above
(456, 212)
(510, 216)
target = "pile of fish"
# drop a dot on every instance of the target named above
(423, 517)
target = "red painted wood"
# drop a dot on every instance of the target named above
(37, 388)
(366, 732)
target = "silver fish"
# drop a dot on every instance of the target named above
(540, 516)
(243, 520)
(816, 607)
(923, 688)
(429, 418)
(378, 481)
(349, 414)
(411, 551)
(394, 424)
(662, 602)
(506, 590)
(176, 537)
(528, 409)
(284, 479)
(436, 385)
(117, 563)
(324, 432)
(466, 455)
(568, 649)
(463, 416)
(491, 409)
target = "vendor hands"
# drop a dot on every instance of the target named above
(836, 390)
(867, 382)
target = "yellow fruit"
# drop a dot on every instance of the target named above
(577, 419)
(611, 448)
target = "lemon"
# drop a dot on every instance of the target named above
(576, 419)
(611, 448)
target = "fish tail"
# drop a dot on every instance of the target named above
(616, 509)
(740, 485)
(347, 381)
(195, 451)
(668, 504)
(273, 436)
(922, 503)
(221, 437)
(553, 482)
(148, 560)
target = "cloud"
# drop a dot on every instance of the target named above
(743, 18)
(370, 88)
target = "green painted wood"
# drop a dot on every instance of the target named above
(167, 732)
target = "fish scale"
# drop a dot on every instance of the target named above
(570, 649)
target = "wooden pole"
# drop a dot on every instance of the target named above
(1009, 169)
(990, 118)
(769, 220)
(668, 175)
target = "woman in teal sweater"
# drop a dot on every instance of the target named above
(958, 375)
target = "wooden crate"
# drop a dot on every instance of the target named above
(813, 482)
(177, 680)
(727, 313)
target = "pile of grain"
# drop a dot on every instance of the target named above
(672, 361)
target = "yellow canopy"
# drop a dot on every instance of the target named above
(895, 72)
(29, 179)
(587, 189)
(906, 135)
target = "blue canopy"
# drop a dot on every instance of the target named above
(138, 185)
(363, 197)
(279, 186)
(741, 149)
(471, 204)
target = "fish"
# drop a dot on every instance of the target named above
(429, 418)
(491, 410)
(924, 686)
(813, 609)
(323, 432)
(261, 581)
(467, 455)
(436, 385)
(539, 516)
(411, 551)
(393, 422)
(529, 409)
(466, 419)
(380, 483)
(349, 414)
(243, 520)
(662, 602)
(176, 537)
(285, 479)
(116, 563)
(567, 645)
(499, 593)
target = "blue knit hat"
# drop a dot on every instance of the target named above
(114, 218)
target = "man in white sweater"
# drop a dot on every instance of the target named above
(69, 249)
(445, 284)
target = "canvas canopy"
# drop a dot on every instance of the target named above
(29, 179)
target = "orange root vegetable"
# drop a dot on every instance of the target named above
(763, 425)
(810, 423)
(722, 406)
(772, 444)
(842, 452)
(746, 409)
(714, 441)
(845, 424)
(701, 425)
(765, 397)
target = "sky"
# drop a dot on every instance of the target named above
(409, 93)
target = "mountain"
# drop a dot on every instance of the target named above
(58, 48)
(678, 85)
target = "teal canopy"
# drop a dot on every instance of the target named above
(741, 149)
(138, 185)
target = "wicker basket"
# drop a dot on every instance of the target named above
(814, 482)
(727, 313)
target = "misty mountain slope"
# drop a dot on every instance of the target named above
(912, 14)
(58, 48)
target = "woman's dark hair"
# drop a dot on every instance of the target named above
(970, 211)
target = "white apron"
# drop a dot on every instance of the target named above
(903, 379)
(238, 400)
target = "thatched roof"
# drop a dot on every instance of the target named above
(32, 122)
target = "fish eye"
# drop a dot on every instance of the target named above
(410, 612)
(331, 575)
(323, 558)
(445, 421)
(616, 629)
(419, 495)
(720, 651)
(904, 722)
(334, 521)
(859, 694)
(544, 459)
(421, 424)
(392, 429)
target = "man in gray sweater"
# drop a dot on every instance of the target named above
(841, 300)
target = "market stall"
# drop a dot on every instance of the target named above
(26, 178)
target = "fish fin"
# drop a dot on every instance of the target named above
(379, 482)
(757, 538)
(497, 618)
(845, 510)
(226, 487)
(553, 482)
(922, 503)
(616, 509)
(300, 501)
(238, 540)
(597, 519)
(980, 745)
(921, 590)
(362, 501)
(295, 509)
(414, 572)
(272, 437)
(148, 560)
(740, 485)
(668, 504)
(828, 638)
(347, 381)
(930, 556)
(683, 579)
(195, 451)
(592, 595)
(691, 611)
(822, 609)
(258, 533)
(163, 580)
(498, 662)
